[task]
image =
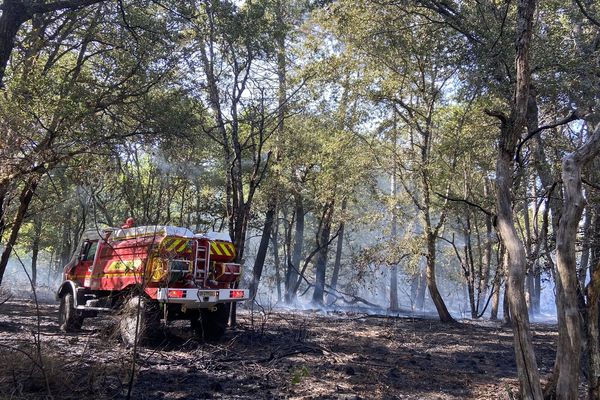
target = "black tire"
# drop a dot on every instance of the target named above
(139, 321)
(69, 319)
(212, 323)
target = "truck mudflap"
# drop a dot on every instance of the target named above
(200, 298)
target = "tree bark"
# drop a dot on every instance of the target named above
(263, 247)
(293, 269)
(511, 129)
(593, 338)
(14, 14)
(321, 261)
(569, 342)
(421, 289)
(496, 294)
(394, 227)
(443, 312)
(338, 256)
(17, 12)
(35, 247)
(24, 201)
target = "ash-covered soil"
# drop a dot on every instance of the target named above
(270, 355)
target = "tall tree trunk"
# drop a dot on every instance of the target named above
(321, 261)
(569, 339)
(487, 264)
(496, 294)
(276, 260)
(3, 208)
(431, 235)
(394, 228)
(263, 247)
(35, 247)
(592, 335)
(528, 250)
(443, 312)
(593, 311)
(528, 374)
(421, 289)
(294, 268)
(24, 201)
(338, 256)
(14, 14)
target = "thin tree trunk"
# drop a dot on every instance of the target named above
(321, 261)
(263, 247)
(506, 319)
(394, 227)
(593, 310)
(338, 257)
(528, 250)
(566, 266)
(3, 208)
(276, 260)
(585, 249)
(293, 272)
(443, 312)
(24, 201)
(593, 337)
(421, 289)
(496, 295)
(35, 247)
(487, 259)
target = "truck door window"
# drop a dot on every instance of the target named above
(90, 251)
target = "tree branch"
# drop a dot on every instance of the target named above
(40, 8)
(573, 115)
(470, 203)
(588, 15)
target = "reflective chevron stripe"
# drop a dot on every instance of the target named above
(183, 246)
(222, 248)
(173, 245)
(214, 249)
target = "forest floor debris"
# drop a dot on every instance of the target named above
(270, 355)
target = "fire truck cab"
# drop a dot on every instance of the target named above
(148, 273)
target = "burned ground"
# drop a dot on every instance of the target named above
(270, 355)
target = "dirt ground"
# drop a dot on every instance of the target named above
(281, 354)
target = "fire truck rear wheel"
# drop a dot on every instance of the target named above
(212, 324)
(139, 321)
(68, 318)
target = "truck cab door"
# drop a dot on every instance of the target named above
(84, 261)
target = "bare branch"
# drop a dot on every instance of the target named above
(588, 15)
(467, 202)
(573, 115)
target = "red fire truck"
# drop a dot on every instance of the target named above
(149, 273)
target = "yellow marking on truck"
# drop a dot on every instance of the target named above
(183, 246)
(231, 248)
(215, 249)
(224, 247)
(124, 266)
(116, 275)
(174, 245)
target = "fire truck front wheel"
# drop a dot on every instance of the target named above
(68, 318)
(212, 323)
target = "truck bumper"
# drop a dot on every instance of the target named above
(200, 298)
